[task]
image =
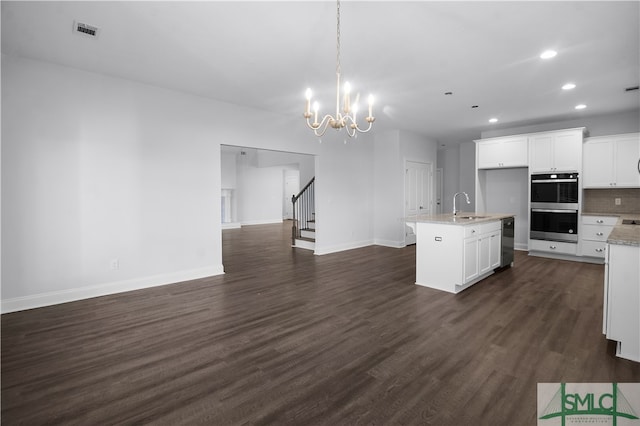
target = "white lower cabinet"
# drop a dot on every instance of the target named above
(553, 247)
(496, 249)
(593, 235)
(454, 257)
(621, 310)
(470, 259)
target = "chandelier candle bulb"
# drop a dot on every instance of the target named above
(347, 99)
(307, 111)
(316, 107)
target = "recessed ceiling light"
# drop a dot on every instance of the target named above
(548, 54)
(493, 120)
(568, 86)
(581, 106)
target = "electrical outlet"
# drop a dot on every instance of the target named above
(618, 201)
(115, 264)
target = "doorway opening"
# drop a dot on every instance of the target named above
(257, 186)
(417, 193)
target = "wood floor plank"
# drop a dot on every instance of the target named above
(287, 337)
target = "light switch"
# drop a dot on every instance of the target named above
(618, 201)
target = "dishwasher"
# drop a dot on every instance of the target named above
(508, 226)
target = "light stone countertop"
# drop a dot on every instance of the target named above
(622, 234)
(462, 218)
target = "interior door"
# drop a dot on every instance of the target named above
(417, 195)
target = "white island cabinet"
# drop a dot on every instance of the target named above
(453, 253)
(621, 310)
(622, 300)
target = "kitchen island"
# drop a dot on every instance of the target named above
(453, 252)
(621, 310)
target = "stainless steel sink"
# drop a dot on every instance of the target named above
(631, 221)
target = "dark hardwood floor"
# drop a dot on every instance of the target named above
(286, 337)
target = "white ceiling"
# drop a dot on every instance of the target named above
(408, 54)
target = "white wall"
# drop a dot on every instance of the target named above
(449, 161)
(389, 194)
(467, 176)
(228, 170)
(96, 168)
(260, 194)
(392, 149)
(302, 162)
(344, 193)
(507, 192)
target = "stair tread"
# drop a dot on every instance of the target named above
(311, 240)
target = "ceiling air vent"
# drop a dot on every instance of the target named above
(85, 29)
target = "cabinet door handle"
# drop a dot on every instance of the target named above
(599, 221)
(599, 250)
(553, 247)
(473, 231)
(599, 234)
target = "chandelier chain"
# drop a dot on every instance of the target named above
(338, 39)
(347, 119)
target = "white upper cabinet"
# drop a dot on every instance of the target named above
(612, 161)
(556, 151)
(497, 153)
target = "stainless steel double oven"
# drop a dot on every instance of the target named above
(554, 207)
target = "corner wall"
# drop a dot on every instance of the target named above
(392, 149)
(110, 185)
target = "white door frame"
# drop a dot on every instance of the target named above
(439, 191)
(409, 236)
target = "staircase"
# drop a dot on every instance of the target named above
(303, 232)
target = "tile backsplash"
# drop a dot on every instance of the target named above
(603, 200)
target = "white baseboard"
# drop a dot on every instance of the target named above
(521, 247)
(389, 243)
(307, 245)
(231, 225)
(71, 295)
(343, 247)
(261, 222)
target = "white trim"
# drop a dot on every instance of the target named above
(307, 245)
(261, 222)
(73, 294)
(343, 247)
(389, 243)
(231, 225)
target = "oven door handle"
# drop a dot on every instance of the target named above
(553, 180)
(554, 211)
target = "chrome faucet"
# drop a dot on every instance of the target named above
(455, 211)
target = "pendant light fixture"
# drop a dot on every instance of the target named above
(348, 117)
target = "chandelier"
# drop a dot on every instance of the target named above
(348, 117)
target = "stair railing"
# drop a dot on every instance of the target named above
(303, 210)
